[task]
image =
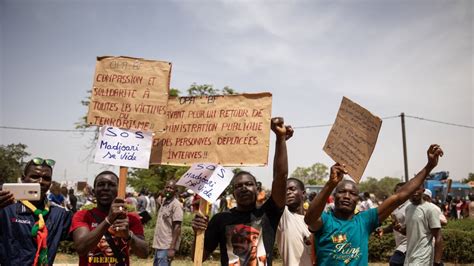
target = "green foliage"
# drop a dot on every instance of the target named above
(11, 162)
(155, 178)
(458, 239)
(82, 123)
(316, 182)
(187, 235)
(313, 175)
(174, 92)
(381, 188)
(187, 241)
(380, 249)
(458, 245)
(469, 178)
(461, 225)
(206, 89)
(90, 206)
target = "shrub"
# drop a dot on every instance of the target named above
(458, 238)
(187, 241)
(458, 246)
(462, 225)
(187, 235)
(380, 249)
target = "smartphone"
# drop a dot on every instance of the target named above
(24, 191)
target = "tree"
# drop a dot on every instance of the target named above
(469, 178)
(313, 175)
(11, 162)
(206, 89)
(154, 179)
(380, 188)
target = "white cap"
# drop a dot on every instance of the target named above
(427, 192)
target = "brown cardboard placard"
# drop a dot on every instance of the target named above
(130, 93)
(230, 130)
(352, 138)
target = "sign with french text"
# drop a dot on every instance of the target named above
(123, 147)
(352, 138)
(230, 130)
(130, 93)
(207, 180)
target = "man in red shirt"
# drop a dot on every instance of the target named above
(105, 234)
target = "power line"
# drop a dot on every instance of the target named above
(313, 126)
(46, 129)
(328, 125)
(440, 122)
(296, 127)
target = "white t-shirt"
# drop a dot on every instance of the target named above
(400, 239)
(366, 205)
(291, 235)
(420, 219)
(148, 204)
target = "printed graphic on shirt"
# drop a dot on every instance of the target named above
(103, 254)
(245, 244)
(343, 249)
(20, 221)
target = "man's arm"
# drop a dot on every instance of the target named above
(280, 161)
(390, 204)
(313, 215)
(174, 238)
(438, 248)
(85, 240)
(138, 245)
(6, 198)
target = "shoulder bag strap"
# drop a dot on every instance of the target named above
(108, 237)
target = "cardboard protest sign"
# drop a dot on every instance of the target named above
(123, 147)
(230, 130)
(352, 138)
(207, 180)
(130, 93)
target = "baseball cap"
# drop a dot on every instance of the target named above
(427, 192)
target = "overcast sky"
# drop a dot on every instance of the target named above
(389, 56)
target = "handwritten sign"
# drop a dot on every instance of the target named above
(352, 138)
(207, 180)
(231, 130)
(130, 93)
(123, 147)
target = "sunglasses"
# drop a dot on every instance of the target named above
(41, 161)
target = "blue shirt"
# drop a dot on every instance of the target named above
(17, 246)
(345, 242)
(58, 199)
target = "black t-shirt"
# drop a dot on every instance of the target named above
(244, 236)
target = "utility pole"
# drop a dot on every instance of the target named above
(405, 160)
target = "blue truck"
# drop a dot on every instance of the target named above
(438, 182)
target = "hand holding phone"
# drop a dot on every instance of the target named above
(6, 198)
(23, 191)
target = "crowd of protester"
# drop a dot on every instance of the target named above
(328, 228)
